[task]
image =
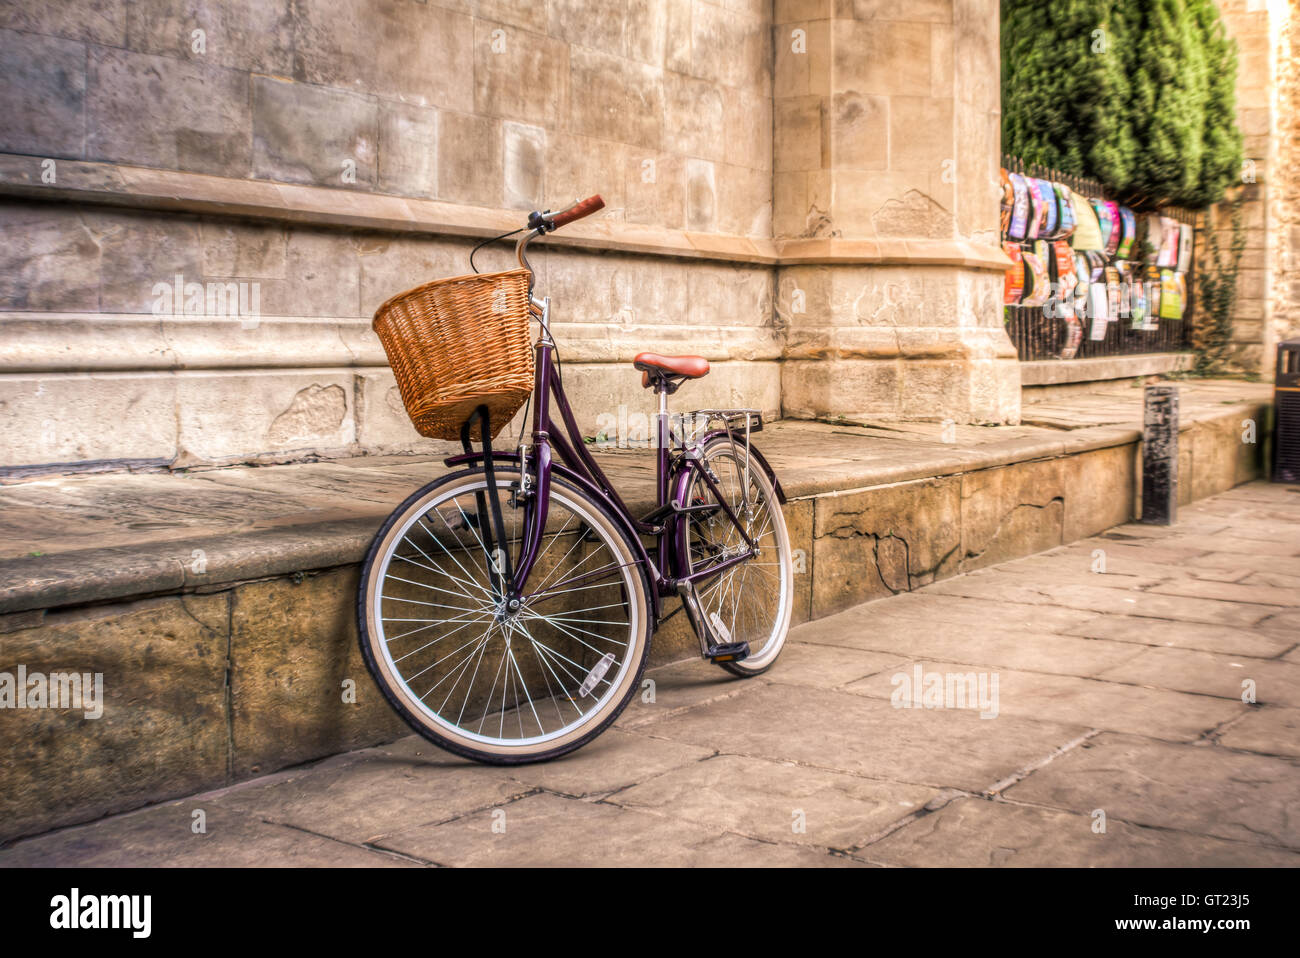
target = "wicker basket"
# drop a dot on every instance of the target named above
(458, 343)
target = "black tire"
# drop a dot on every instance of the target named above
(505, 473)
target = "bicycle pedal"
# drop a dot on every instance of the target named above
(727, 652)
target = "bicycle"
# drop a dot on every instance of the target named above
(506, 610)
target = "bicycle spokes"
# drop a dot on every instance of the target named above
(496, 667)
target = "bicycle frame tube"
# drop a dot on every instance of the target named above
(566, 441)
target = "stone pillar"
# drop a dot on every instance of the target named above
(885, 142)
(1248, 23)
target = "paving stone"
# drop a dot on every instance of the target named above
(549, 830)
(868, 736)
(1232, 592)
(1156, 549)
(1256, 563)
(825, 666)
(1186, 635)
(613, 761)
(376, 791)
(680, 686)
(931, 606)
(1205, 790)
(1268, 731)
(164, 837)
(974, 833)
(1089, 569)
(1089, 703)
(874, 627)
(1209, 673)
(1100, 599)
(1251, 547)
(767, 800)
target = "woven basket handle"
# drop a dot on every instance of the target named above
(577, 211)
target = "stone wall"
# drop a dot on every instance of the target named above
(1268, 285)
(1286, 198)
(329, 153)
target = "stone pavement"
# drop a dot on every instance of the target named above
(1112, 672)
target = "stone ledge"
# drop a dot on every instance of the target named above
(58, 342)
(90, 552)
(1052, 372)
(114, 184)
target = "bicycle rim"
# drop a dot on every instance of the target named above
(475, 677)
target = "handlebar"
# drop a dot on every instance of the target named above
(548, 221)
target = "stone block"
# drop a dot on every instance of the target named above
(884, 540)
(802, 59)
(224, 416)
(729, 48)
(410, 52)
(42, 95)
(882, 58)
(469, 159)
(920, 135)
(140, 257)
(1011, 511)
(199, 114)
(308, 134)
(100, 21)
(1099, 491)
(383, 425)
(50, 261)
(744, 201)
(78, 417)
(888, 204)
(253, 35)
(802, 132)
(748, 124)
(520, 76)
(861, 132)
(391, 264)
(235, 248)
(655, 191)
(292, 646)
(701, 196)
(602, 26)
(616, 99)
(524, 166)
(408, 149)
(162, 732)
(693, 117)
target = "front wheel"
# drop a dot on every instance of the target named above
(750, 601)
(473, 674)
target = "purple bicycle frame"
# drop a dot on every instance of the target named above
(669, 569)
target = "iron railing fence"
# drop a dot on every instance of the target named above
(1039, 336)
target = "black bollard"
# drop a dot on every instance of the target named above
(1160, 455)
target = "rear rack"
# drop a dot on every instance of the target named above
(735, 422)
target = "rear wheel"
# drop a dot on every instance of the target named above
(750, 601)
(475, 676)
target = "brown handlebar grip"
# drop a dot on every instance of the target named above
(576, 212)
